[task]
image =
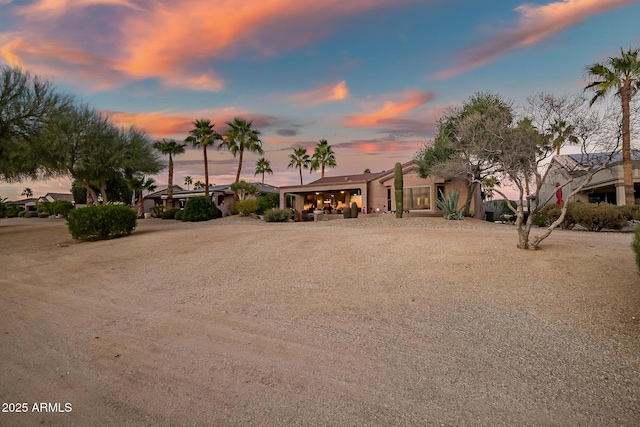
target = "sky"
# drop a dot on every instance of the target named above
(370, 76)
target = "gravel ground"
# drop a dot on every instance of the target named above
(370, 321)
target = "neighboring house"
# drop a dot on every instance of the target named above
(28, 204)
(605, 186)
(52, 197)
(374, 192)
(222, 195)
(160, 198)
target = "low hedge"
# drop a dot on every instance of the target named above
(31, 214)
(61, 207)
(200, 209)
(179, 215)
(101, 222)
(169, 214)
(592, 216)
(278, 215)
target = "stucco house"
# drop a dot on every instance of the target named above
(374, 193)
(606, 185)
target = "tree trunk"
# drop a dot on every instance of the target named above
(235, 193)
(263, 177)
(103, 190)
(322, 171)
(470, 190)
(170, 189)
(627, 167)
(141, 205)
(206, 172)
(300, 168)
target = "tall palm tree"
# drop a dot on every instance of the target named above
(240, 137)
(560, 132)
(27, 193)
(622, 75)
(139, 184)
(203, 135)
(323, 156)
(171, 148)
(299, 159)
(188, 181)
(263, 166)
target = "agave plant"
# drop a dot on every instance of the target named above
(449, 205)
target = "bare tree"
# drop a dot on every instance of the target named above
(526, 149)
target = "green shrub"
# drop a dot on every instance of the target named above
(630, 212)
(12, 211)
(169, 214)
(61, 207)
(266, 202)
(22, 213)
(43, 215)
(246, 207)
(595, 217)
(635, 244)
(179, 214)
(31, 214)
(346, 212)
(101, 222)
(278, 215)
(44, 207)
(552, 212)
(540, 220)
(200, 209)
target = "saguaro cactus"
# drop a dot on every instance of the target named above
(398, 183)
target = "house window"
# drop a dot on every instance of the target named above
(416, 198)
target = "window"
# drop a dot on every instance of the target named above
(416, 198)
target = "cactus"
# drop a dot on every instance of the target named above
(346, 212)
(398, 185)
(354, 210)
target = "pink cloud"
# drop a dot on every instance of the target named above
(45, 9)
(407, 101)
(323, 94)
(536, 23)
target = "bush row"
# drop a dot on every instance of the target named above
(101, 222)
(592, 216)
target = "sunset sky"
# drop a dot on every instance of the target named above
(370, 76)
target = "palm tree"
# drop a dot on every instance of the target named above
(171, 148)
(367, 170)
(299, 159)
(198, 185)
(561, 132)
(622, 75)
(323, 156)
(263, 166)
(188, 181)
(203, 135)
(27, 193)
(240, 137)
(138, 184)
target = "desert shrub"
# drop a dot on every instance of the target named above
(179, 215)
(266, 202)
(355, 210)
(346, 212)
(449, 205)
(101, 222)
(540, 219)
(278, 215)
(246, 207)
(43, 215)
(22, 213)
(31, 214)
(169, 214)
(44, 207)
(595, 217)
(635, 245)
(552, 213)
(157, 211)
(200, 209)
(630, 212)
(61, 207)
